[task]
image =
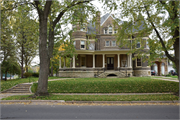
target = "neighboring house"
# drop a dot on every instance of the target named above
(162, 66)
(98, 52)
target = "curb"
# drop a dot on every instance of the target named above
(31, 102)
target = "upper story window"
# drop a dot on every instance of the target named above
(74, 43)
(115, 31)
(147, 44)
(107, 43)
(82, 44)
(105, 31)
(110, 29)
(138, 62)
(113, 43)
(138, 45)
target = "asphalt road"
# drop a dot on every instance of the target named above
(89, 112)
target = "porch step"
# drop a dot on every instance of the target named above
(20, 88)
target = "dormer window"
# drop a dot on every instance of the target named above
(110, 29)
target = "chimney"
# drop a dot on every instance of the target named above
(98, 22)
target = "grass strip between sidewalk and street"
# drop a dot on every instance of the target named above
(165, 97)
(111, 85)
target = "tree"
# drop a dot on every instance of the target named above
(165, 30)
(26, 33)
(7, 42)
(46, 49)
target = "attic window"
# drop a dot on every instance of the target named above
(110, 29)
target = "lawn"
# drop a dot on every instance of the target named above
(111, 85)
(10, 83)
(166, 97)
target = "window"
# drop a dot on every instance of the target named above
(74, 43)
(110, 30)
(147, 44)
(138, 62)
(82, 44)
(105, 31)
(113, 43)
(107, 43)
(115, 31)
(124, 63)
(138, 45)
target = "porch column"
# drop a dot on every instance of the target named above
(60, 63)
(93, 60)
(64, 62)
(73, 61)
(103, 61)
(118, 60)
(130, 60)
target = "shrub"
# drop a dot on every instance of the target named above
(35, 74)
(27, 74)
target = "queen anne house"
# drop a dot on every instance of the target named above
(98, 53)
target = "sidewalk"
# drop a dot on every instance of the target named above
(165, 78)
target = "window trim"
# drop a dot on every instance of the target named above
(84, 44)
(105, 43)
(141, 62)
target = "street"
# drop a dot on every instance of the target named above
(89, 112)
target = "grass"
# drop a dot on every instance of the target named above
(10, 83)
(166, 97)
(111, 85)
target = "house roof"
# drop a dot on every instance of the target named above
(92, 27)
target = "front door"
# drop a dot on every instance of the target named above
(110, 63)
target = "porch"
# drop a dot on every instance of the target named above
(97, 65)
(97, 61)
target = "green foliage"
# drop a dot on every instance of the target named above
(27, 74)
(35, 74)
(174, 66)
(160, 15)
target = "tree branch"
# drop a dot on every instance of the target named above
(71, 5)
(37, 3)
(161, 40)
(47, 8)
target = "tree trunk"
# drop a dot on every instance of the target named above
(44, 59)
(22, 60)
(5, 76)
